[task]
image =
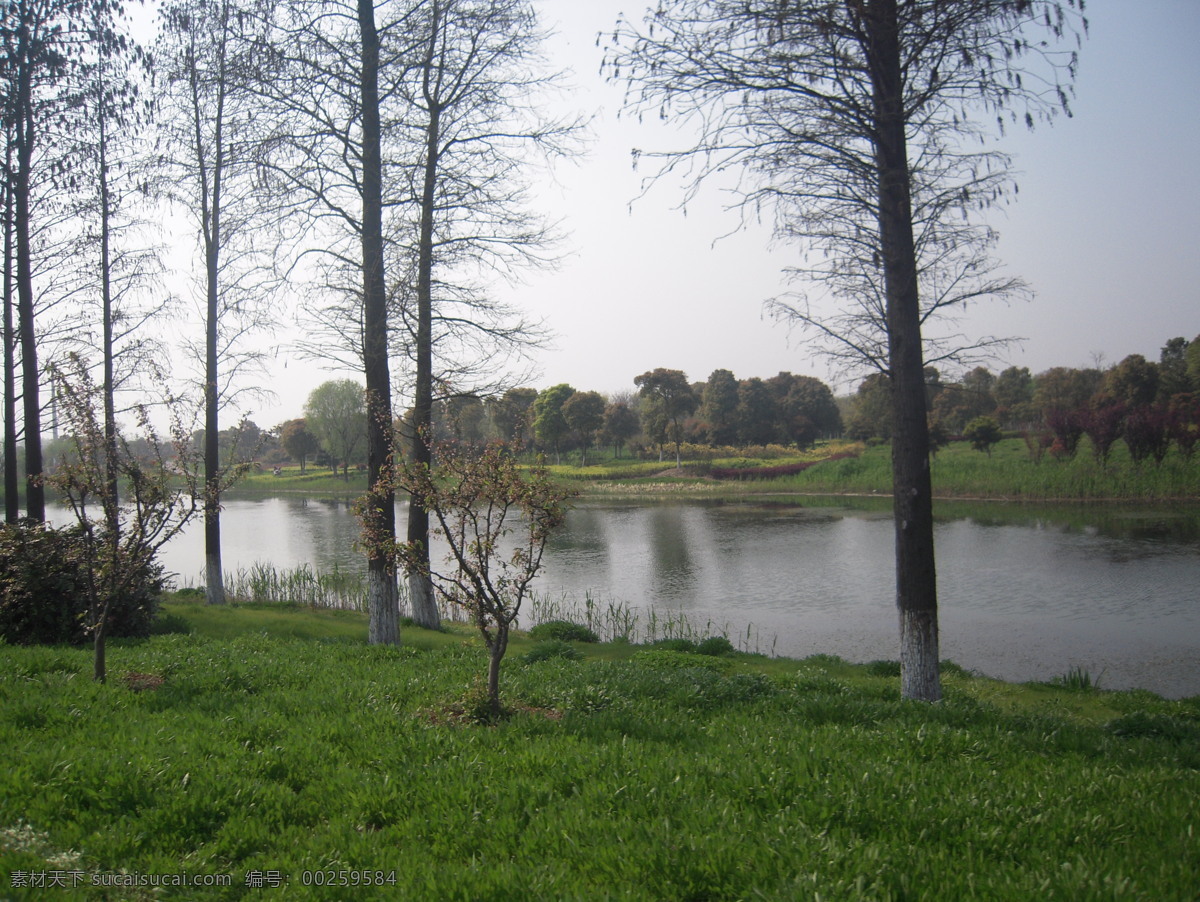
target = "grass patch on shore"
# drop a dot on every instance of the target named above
(1010, 474)
(315, 480)
(276, 741)
(958, 471)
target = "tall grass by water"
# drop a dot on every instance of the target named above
(611, 619)
(614, 620)
(650, 777)
(263, 583)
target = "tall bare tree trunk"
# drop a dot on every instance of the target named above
(12, 504)
(421, 599)
(112, 519)
(916, 578)
(35, 493)
(379, 513)
(214, 574)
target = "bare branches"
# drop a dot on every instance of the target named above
(496, 520)
(784, 95)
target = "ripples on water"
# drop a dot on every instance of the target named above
(1024, 593)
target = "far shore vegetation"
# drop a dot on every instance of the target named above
(1011, 472)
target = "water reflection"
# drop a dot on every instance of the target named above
(1025, 591)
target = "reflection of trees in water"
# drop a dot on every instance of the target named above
(673, 571)
(1167, 527)
(1067, 562)
(329, 530)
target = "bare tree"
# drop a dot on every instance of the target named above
(484, 505)
(161, 490)
(12, 504)
(115, 263)
(409, 127)
(332, 158)
(208, 148)
(40, 38)
(859, 123)
(472, 97)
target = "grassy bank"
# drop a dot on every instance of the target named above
(315, 481)
(276, 744)
(958, 472)
(1009, 473)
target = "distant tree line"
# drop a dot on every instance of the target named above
(1146, 404)
(665, 410)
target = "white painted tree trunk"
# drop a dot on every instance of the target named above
(422, 602)
(920, 676)
(383, 604)
(214, 579)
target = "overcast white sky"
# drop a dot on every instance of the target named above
(1106, 229)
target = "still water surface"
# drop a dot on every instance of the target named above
(1025, 593)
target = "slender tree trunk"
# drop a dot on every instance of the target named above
(35, 493)
(112, 524)
(916, 578)
(497, 648)
(12, 501)
(210, 214)
(379, 513)
(214, 577)
(99, 661)
(421, 599)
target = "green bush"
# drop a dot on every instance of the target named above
(716, 646)
(563, 630)
(43, 595)
(884, 668)
(551, 649)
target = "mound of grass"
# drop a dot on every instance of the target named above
(563, 630)
(715, 646)
(551, 649)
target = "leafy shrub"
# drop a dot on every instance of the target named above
(551, 649)
(43, 595)
(715, 646)
(884, 668)
(563, 630)
(40, 579)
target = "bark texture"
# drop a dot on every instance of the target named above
(379, 512)
(916, 578)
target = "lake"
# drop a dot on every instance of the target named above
(1025, 593)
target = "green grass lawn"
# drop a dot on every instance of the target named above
(274, 743)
